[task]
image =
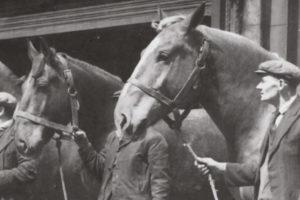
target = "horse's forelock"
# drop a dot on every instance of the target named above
(166, 22)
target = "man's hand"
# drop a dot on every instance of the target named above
(207, 165)
(80, 138)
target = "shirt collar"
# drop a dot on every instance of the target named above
(287, 105)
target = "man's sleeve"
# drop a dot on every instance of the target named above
(93, 160)
(25, 172)
(159, 168)
(240, 174)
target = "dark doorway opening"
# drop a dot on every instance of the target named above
(116, 50)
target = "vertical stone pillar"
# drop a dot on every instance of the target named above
(218, 14)
(292, 31)
(278, 27)
(251, 20)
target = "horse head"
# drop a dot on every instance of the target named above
(151, 90)
(44, 96)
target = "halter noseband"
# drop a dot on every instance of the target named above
(190, 83)
(74, 103)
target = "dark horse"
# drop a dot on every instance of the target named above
(48, 98)
(45, 96)
(188, 63)
(47, 184)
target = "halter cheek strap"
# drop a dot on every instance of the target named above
(190, 84)
(74, 103)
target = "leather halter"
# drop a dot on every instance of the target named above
(74, 103)
(190, 84)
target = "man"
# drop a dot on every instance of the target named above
(131, 167)
(278, 174)
(16, 171)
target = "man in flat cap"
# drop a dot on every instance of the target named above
(277, 176)
(16, 171)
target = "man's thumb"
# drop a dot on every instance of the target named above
(203, 160)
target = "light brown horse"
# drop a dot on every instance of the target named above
(204, 65)
(46, 96)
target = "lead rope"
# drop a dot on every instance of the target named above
(210, 178)
(61, 173)
(176, 127)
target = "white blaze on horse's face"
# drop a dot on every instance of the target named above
(166, 57)
(164, 67)
(44, 97)
(28, 137)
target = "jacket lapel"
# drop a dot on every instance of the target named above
(5, 139)
(264, 149)
(287, 121)
(265, 143)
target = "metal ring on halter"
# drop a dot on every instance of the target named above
(72, 92)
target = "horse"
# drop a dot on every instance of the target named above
(189, 63)
(45, 95)
(47, 183)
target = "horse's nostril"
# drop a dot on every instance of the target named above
(22, 146)
(123, 121)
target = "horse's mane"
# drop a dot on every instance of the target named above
(220, 37)
(89, 67)
(168, 21)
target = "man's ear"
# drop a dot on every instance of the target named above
(2, 111)
(282, 83)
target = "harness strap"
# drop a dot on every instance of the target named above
(74, 103)
(44, 122)
(73, 97)
(190, 84)
(178, 118)
(153, 93)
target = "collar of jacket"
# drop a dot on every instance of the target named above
(6, 138)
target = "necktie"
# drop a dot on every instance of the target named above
(275, 123)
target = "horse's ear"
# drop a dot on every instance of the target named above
(160, 16)
(44, 47)
(196, 18)
(32, 52)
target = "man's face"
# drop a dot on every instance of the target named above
(269, 87)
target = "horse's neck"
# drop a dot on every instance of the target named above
(232, 100)
(243, 124)
(96, 104)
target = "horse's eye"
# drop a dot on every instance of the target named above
(163, 56)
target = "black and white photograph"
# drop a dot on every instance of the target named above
(149, 100)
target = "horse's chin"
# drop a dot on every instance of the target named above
(31, 147)
(33, 152)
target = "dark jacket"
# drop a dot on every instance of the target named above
(134, 168)
(16, 171)
(284, 160)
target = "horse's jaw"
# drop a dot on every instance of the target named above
(136, 111)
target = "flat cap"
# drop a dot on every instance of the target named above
(281, 69)
(7, 100)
